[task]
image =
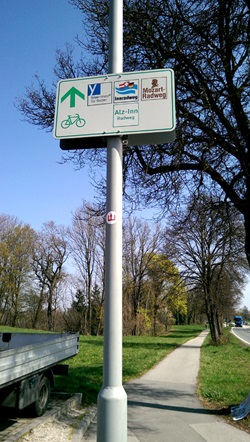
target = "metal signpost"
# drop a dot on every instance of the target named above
(106, 111)
(112, 399)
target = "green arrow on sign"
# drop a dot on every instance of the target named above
(72, 94)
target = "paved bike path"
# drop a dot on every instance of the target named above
(163, 406)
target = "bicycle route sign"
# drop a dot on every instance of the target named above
(139, 105)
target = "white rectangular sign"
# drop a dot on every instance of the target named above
(116, 104)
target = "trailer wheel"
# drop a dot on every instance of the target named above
(40, 405)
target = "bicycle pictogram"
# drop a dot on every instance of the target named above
(73, 119)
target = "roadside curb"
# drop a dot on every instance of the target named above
(83, 426)
(238, 337)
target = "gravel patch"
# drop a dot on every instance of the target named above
(60, 429)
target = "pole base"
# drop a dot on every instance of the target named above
(112, 415)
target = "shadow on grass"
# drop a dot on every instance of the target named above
(85, 380)
(93, 342)
(151, 345)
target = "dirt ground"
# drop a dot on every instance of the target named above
(60, 429)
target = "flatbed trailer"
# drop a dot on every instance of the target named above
(28, 362)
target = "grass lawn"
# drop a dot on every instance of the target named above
(140, 353)
(224, 377)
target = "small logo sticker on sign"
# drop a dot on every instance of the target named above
(111, 218)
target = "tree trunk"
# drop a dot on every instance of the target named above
(247, 232)
(212, 317)
(135, 312)
(49, 312)
(14, 310)
(38, 309)
(155, 318)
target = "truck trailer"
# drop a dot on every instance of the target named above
(28, 362)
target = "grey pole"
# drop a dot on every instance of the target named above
(112, 399)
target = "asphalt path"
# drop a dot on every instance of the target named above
(243, 333)
(163, 405)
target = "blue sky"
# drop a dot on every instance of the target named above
(33, 186)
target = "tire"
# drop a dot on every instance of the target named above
(65, 124)
(40, 405)
(81, 122)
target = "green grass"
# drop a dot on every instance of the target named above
(224, 377)
(140, 353)
(225, 371)
(6, 328)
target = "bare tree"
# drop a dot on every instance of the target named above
(86, 242)
(49, 257)
(207, 44)
(245, 314)
(206, 241)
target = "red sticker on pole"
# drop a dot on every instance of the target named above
(111, 217)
